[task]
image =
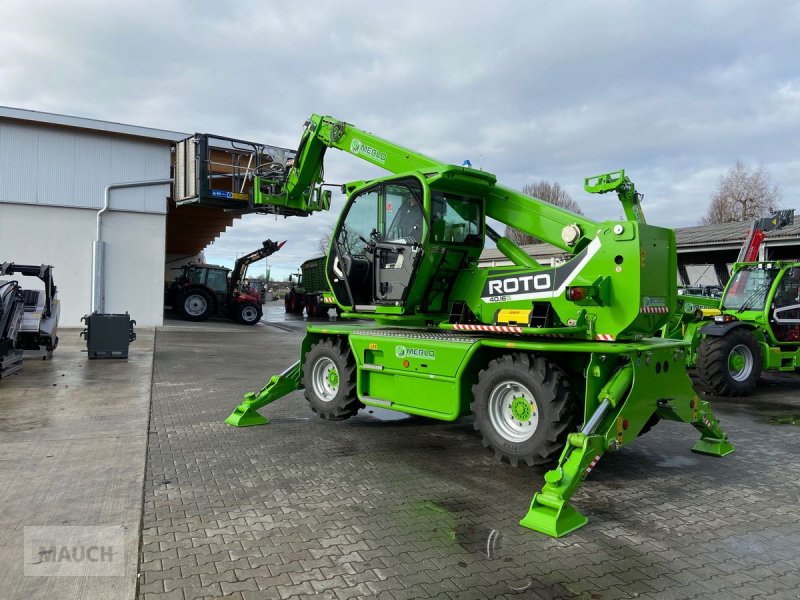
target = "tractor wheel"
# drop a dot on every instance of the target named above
(314, 309)
(196, 305)
(293, 303)
(248, 313)
(730, 365)
(311, 307)
(290, 302)
(329, 379)
(523, 408)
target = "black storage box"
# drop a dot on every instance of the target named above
(108, 336)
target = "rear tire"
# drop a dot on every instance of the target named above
(311, 307)
(196, 305)
(329, 379)
(315, 309)
(523, 408)
(730, 365)
(293, 303)
(248, 313)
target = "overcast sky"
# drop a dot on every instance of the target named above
(674, 92)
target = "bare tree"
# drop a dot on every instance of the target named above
(742, 194)
(552, 193)
(325, 241)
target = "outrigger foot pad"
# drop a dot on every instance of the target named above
(246, 414)
(713, 440)
(552, 519)
(713, 447)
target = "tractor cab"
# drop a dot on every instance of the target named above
(213, 277)
(398, 236)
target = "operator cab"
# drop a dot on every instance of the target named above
(751, 288)
(785, 314)
(393, 239)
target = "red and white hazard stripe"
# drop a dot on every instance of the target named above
(492, 328)
(654, 309)
(605, 337)
(591, 465)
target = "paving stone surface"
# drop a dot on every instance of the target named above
(386, 507)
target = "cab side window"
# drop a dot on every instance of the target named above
(455, 219)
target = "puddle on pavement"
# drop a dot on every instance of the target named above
(448, 527)
(674, 462)
(790, 419)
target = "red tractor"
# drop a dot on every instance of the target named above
(205, 290)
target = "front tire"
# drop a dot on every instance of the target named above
(523, 408)
(329, 379)
(730, 365)
(248, 313)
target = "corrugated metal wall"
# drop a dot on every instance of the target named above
(48, 165)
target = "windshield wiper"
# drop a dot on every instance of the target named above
(754, 296)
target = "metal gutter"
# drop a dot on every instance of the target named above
(98, 251)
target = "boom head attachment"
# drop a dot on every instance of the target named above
(617, 181)
(607, 182)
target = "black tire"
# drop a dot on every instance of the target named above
(196, 305)
(714, 358)
(332, 402)
(293, 303)
(248, 313)
(315, 309)
(550, 400)
(311, 307)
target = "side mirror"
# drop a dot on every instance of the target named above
(326, 199)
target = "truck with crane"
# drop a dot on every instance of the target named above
(205, 290)
(558, 365)
(754, 326)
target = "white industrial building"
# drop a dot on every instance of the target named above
(54, 174)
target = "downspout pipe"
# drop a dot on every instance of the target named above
(98, 251)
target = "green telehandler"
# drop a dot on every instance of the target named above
(557, 365)
(754, 326)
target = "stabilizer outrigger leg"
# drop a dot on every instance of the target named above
(246, 415)
(622, 413)
(550, 511)
(713, 441)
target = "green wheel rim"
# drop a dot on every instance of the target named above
(740, 362)
(513, 411)
(325, 379)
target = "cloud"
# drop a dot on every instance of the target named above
(673, 92)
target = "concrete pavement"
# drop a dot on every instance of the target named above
(73, 434)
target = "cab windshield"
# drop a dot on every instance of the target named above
(748, 289)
